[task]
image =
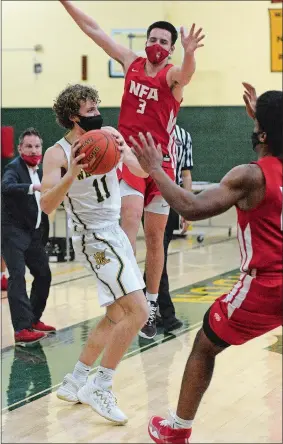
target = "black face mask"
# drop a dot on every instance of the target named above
(90, 123)
(255, 140)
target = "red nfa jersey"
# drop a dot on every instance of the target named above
(260, 232)
(149, 105)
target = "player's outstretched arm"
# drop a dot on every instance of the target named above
(191, 42)
(91, 28)
(233, 187)
(53, 187)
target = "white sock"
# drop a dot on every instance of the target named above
(179, 423)
(81, 372)
(104, 378)
(151, 297)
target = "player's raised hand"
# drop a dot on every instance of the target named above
(76, 163)
(148, 154)
(191, 41)
(250, 99)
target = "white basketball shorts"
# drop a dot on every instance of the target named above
(109, 255)
(158, 205)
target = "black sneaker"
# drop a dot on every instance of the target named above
(173, 324)
(159, 321)
(149, 329)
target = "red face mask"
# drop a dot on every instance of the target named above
(31, 160)
(156, 54)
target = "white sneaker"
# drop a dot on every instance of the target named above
(69, 388)
(102, 402)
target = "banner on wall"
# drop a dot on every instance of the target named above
(275, 17)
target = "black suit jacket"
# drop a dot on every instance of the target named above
(19, 208)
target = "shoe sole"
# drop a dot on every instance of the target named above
(82, 401)
(173, 329)
(143, 335)
(26, 344)
(44, 331)
(64, 398)
(154, 438)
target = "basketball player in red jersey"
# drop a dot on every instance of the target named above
(254, 305)
(152, 96)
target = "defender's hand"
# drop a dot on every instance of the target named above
(191, 42)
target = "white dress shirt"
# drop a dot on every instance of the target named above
(35, 181)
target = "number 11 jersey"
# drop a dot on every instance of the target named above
(93, 202)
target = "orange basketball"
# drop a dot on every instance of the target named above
(101, 151)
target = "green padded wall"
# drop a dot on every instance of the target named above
(221, 135)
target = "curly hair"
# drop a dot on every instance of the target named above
(68, 103)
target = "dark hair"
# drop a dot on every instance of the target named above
(68, 103)
(269, 114)
(164, 25)
(29, 132)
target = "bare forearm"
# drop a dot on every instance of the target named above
(52, 198)
(212, 202)
(182, 201)
(188, 67)
(85, 22)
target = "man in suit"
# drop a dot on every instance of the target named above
(25, 231)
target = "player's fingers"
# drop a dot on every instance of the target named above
(79, 158)
(199, 39)
(159, 149)
(246, 100)
(137, 150)
(182, 32)
(192, 30)
(76, 146)
(198, 32)
(84, 165)
(150, 140)
(144, 142)
(119, 140)
(200, 46)
(249, 88)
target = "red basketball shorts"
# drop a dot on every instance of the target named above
(145, 186)
(253, 307)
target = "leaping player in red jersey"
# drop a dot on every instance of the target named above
(254, 305)
(152, 96)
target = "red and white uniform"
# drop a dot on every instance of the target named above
(254, 305)
(148, 105)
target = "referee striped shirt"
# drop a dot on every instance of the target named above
(184, 152)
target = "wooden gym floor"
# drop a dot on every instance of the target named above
(242, 405)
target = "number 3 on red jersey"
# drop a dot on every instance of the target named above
(142, 106)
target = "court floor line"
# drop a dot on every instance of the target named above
(127, 355)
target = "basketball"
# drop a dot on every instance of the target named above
(101, 151)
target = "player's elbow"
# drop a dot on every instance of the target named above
(186, 78)
(45, 205)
